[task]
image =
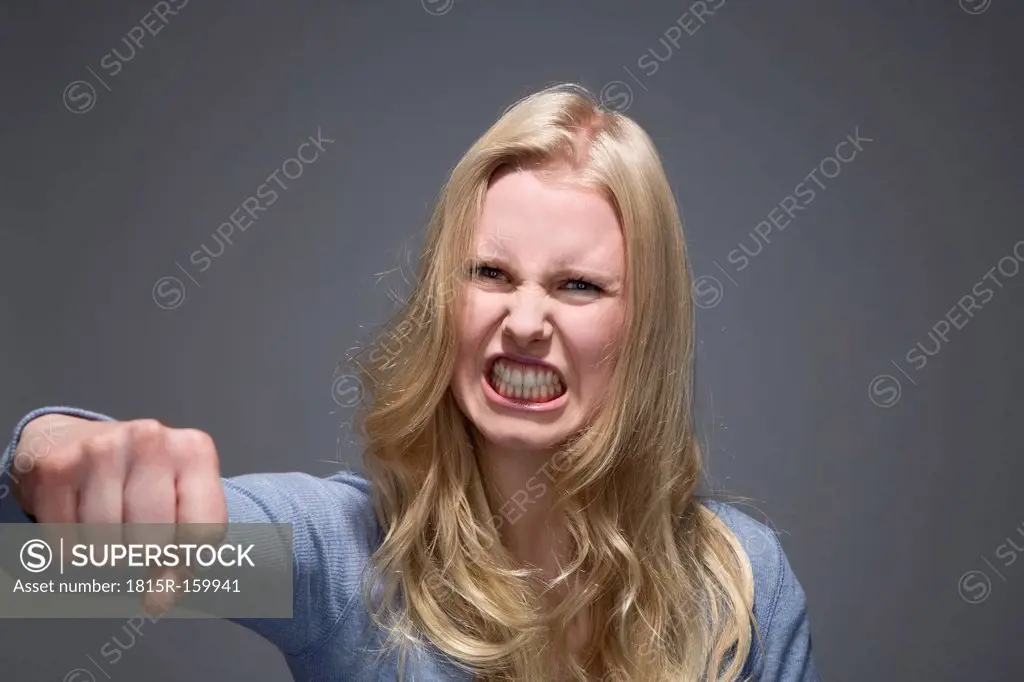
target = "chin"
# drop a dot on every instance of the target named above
(519, 438)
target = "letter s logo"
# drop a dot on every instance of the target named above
(36, 556)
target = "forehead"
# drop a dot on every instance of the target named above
(526, 215)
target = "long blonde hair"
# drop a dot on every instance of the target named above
(668, 585)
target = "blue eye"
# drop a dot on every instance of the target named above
(582, 285)
(485, 271)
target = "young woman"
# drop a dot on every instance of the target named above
(530, 511)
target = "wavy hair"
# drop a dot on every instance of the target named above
(667, 585)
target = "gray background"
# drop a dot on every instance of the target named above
(882, 510)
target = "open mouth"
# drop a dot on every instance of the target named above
(527, 382)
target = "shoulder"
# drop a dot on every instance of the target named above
(780, 604)
(768, 561)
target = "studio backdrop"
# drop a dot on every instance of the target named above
(204, 205)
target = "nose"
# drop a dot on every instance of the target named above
(527, 319)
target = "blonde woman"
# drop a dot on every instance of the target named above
(530, 509)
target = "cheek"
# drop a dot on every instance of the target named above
(475, 321)
(591, 342)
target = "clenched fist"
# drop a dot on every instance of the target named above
(119, 472)
(72, 470)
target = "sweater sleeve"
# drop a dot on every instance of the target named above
(333, 525)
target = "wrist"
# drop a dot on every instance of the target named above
(36, 442)
(41, 434)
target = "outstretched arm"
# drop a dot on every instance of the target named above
(67, 465)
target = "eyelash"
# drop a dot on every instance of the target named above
(478, 271)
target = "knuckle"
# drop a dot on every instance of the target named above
(147, 437)
(103, 446)
(61, 471)
(146, 426)
(146, 430)
(193, 445)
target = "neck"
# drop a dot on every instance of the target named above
(519, 489)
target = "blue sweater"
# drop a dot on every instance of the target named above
(331, 637)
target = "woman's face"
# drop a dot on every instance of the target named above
(542, 307)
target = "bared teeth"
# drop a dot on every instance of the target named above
(523, 382)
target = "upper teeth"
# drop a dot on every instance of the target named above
(517, 375)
